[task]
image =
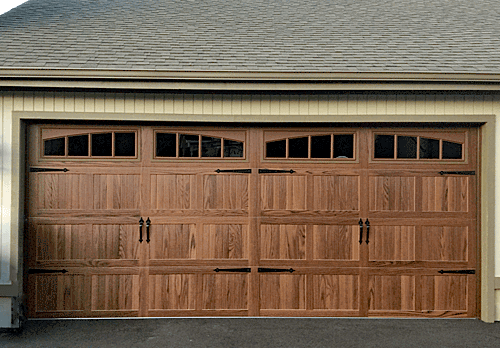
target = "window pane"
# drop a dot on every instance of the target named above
(407, 147)
(78, 145)
(210, 147)
(233, 148)
(54, 147)
(101, 144)
(188, 145)
(165, 145)
(384, 146)
(298, 147)
(276, 149)
(343, 146)
(124, 144)
(452, 150)
(429, 148)
(321, 146)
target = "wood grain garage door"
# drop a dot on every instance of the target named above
(151, 221)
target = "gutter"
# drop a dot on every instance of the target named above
(237, 80)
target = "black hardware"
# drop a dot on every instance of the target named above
(141, 222)
(267, 270)
(367, 223)
(245, 171)
(148, 223)
(267, 171)
(39, 170)
(360, 231)
(459, 173)
(462, 271)
(246, 270)
(38, 271)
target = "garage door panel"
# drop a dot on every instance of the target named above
(336, 242)
(280, 192)
(115, 242)
(116, 191)
(176, 241)
(392, 193)
(445, 243)
(279, 291)
(280, 242)
(225, 291)
(172, 291)
(336, 292)
(445, 194)
(52, 191)
(115, 292)
(173, 191)
(391, 293)
(392, 243)
(336, 193)
(225, 192)
(225, 241)
(60, 293)
(445, 293)
(63, 242)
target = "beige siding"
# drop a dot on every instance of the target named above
(336, 107)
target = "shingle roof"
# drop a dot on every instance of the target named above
(255, 35)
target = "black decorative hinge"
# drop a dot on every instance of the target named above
(38, 170)
(458, 173)
(244, 171)
(275, 270)
(267, 171)
(246, 270)
(38, 271)
(462, 271)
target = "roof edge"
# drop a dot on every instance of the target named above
(63, 73)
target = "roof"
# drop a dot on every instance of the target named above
(383, 36)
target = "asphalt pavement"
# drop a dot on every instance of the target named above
(254, 332)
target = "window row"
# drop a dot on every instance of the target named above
(110, 144)
(388, 146)
(177, 145)
(326, 146)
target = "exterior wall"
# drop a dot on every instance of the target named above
(335, 107)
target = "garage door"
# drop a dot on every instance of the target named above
(163, 221)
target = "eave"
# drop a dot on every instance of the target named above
(240, 80)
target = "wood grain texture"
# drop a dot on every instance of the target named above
(60, 293)
(336, 242)
(225, 291)
(444, 293)
(395, 293)
(115, 242)
(116, 191)
(173, 242)
(63, 242)
(392, 243)
(280, 192)
(445, 243)
(225, 242)
(339, 292)
(392, 193)
(225, 192)
(63, 191)
(283, 242)
(172, 291)
(445, 194)
(282, 291)
(173, 191)
(115, 292)
(336, 193)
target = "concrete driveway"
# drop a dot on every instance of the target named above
(254, 332)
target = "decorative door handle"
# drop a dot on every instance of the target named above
(367, 230)
(141, 222)
(360, 231)
(148, 223)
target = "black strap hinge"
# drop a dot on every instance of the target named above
(244, 171)
(40, 170)
(275, 270)
(471, 172)
(462, 271)
(38, 271)
(269, 171)
(243, 270)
